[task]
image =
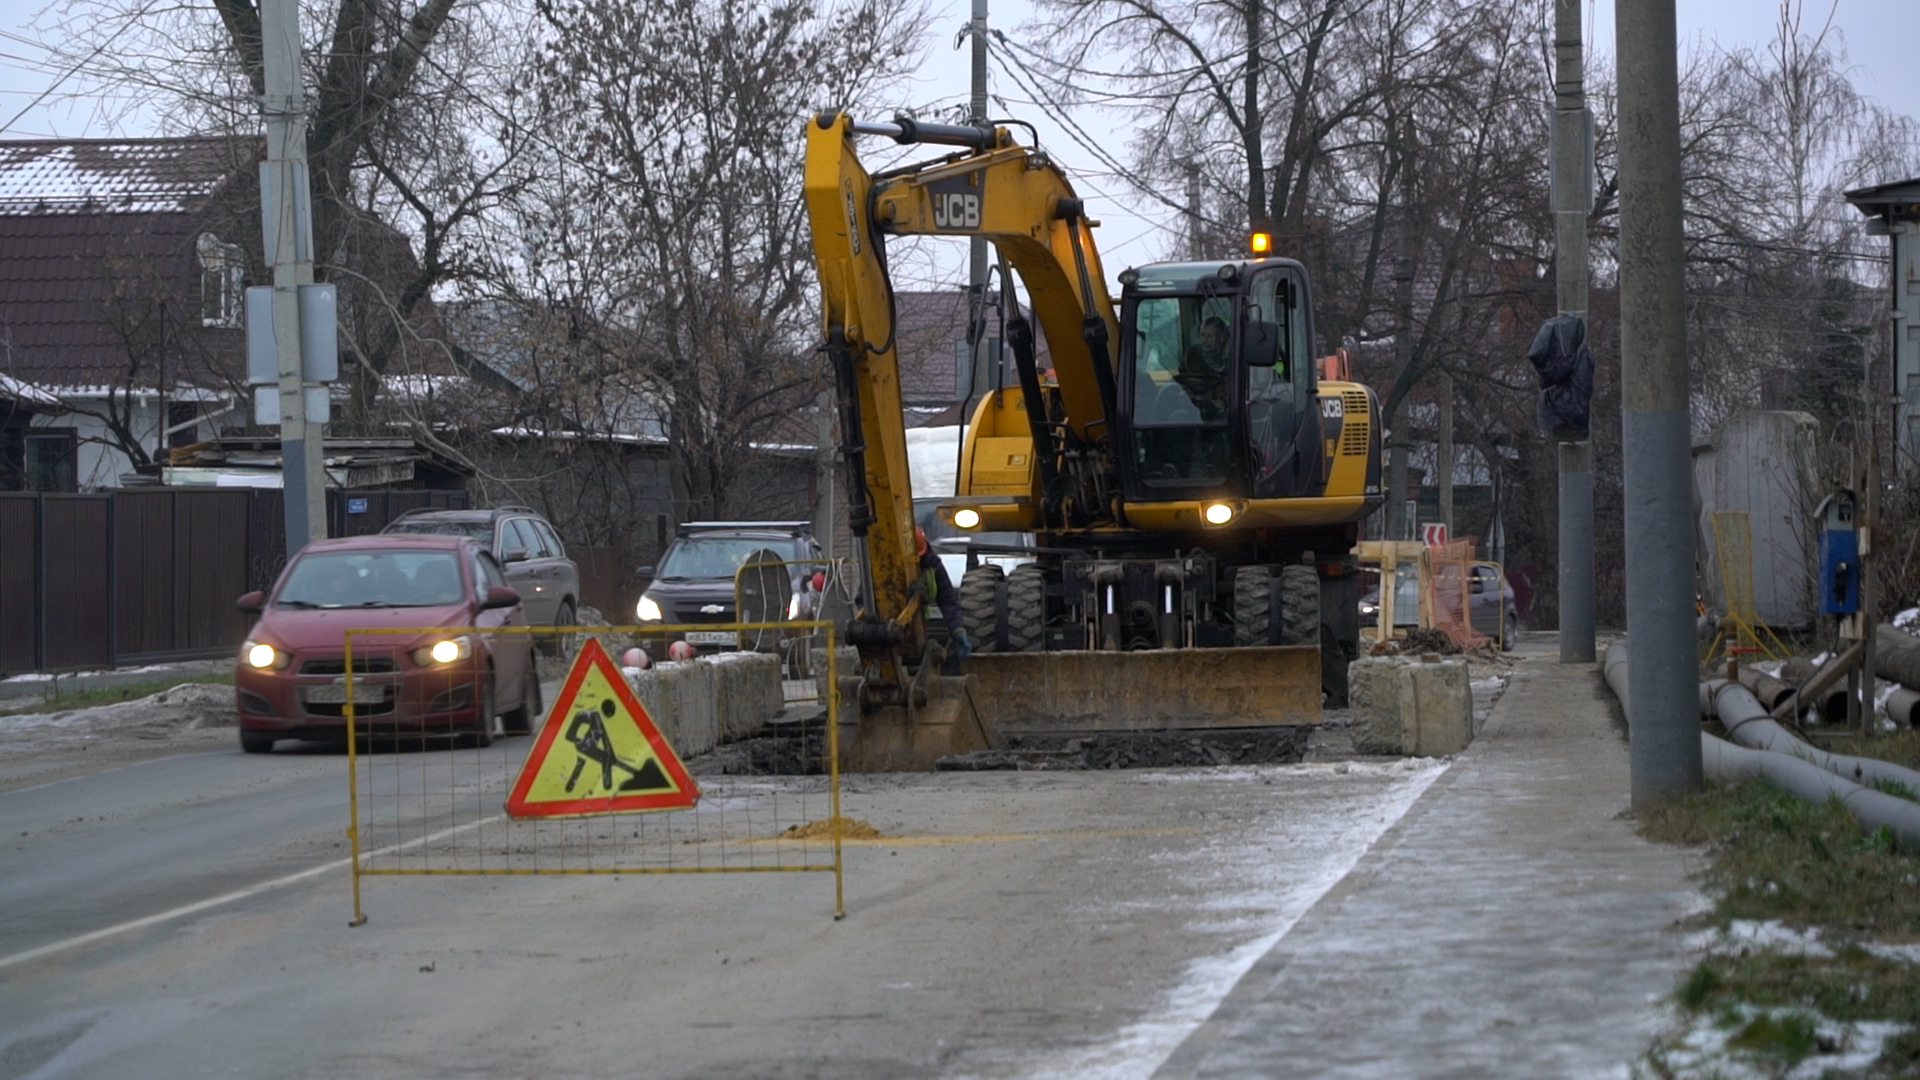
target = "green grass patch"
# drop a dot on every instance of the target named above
(1773, 856)
(1898, 747)
(1850, 985)
(87, 697)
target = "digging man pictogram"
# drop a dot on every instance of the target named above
(587, 731)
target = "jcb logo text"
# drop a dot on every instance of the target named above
(958, 210)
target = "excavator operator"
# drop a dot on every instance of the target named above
(1203, 371)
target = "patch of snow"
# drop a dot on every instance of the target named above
(184, 707)
(1700, 1049)
(1908, 619)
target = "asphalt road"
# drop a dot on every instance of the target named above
(1034, 924)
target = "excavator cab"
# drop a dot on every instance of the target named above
(1217, 396)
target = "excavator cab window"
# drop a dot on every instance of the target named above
(1282, 444)
(1181, 380)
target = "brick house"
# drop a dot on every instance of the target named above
(123, 264)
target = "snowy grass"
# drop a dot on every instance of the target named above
(1805, 967)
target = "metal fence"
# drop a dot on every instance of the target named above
(145, 575)
(434, 796)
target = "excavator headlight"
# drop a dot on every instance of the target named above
(1218, 513)
(967, 518)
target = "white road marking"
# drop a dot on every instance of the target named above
(227, 898)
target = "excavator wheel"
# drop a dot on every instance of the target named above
(980, 606)
(1252, 606)
(1299, 605)
(1027, 608)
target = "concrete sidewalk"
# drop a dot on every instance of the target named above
(1512, 924)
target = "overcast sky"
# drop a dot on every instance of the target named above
(1878, 39)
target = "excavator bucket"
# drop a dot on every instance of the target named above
(895, 738)
(1031, 698)
(1179, 690)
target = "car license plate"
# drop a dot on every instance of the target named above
(336, 693)
(710, 637)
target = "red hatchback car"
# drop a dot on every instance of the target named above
(290, 680)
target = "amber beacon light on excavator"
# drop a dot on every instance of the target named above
(1192, 478)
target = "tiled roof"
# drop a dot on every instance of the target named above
(930, 337)
(73, 287)
(124, 176)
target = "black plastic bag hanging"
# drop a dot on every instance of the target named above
(1560, 355)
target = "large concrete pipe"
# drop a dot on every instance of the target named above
(1725, 762)
(1769, 690)
(1897, 657)
(1749, 725)
(1903, 706)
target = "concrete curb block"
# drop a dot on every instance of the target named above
(1405, 705)
(699, 704)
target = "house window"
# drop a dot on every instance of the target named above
(223, 269)
(52, 461)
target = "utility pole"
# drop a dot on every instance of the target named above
(1663, 695)
(983, 356)
(1444, 455)
(287, 220)
(1196, 246)
(1398, 527)
(1572, 202)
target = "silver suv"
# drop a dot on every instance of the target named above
(536, 562)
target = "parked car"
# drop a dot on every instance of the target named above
(1490, 603)
(536, 562)
(694, 581)
(290, 677)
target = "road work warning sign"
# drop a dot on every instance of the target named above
(599, 752)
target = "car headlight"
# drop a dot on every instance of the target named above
(445, 651)
(259, 654)
(1369, 609)
(647, 610)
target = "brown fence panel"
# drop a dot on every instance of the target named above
(76, 548)
(19, 583)
(143, 572)
(363, 513)
(266, 538)
(210, 569)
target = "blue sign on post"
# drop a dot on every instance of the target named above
(356, 506)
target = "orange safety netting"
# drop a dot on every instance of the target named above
(1450, 578)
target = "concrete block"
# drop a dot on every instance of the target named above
(1407, 705)
(699, 704)
(1373, 695)
(1441, 701)
(746, 691)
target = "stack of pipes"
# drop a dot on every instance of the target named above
(1759, 747)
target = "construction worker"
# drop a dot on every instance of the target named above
(941, 593)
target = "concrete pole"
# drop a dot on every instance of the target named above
(1655, 433)
(1443, 457)
(289, 234)
(1572, 190)
(1398, 526)
(981, 357)
(1196, 247)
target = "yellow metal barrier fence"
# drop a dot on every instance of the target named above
(427, 783)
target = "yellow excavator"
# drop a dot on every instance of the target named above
(1193, 483)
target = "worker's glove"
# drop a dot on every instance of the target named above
(957, 649)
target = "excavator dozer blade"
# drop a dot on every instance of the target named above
(1075, 693)
(893, 738)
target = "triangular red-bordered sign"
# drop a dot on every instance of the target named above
(599, 752)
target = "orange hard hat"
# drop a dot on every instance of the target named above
(919, 541)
